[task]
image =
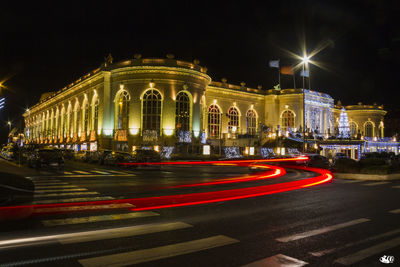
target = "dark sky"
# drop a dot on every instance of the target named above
(45, 47)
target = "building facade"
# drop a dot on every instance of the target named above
(164, 102)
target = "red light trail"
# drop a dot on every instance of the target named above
(159, 202)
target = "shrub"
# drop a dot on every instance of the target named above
(372, 162)
(346, 165)
(375, 169)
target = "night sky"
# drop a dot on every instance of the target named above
(43, 48)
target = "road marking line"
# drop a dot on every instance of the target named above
(396, 186)
(278, 260)
(46, 172)
(99, 218)
(101, 172)
(377, 183)
(81, 172)
(66, 194)
(151, 254)
(93, 175)
(61, 190)
(68, 173)
(321, 230)
(354, 181)
(50, 201)
(85, 207)
(49, 183)
(93, 235)
(365, 253)
(329, 251)
(395, 211)
(116, 172)
(55, 186)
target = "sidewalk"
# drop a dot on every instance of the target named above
(368, 177)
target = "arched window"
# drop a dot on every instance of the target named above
(233, 123)
(86, 118)
(251, 122)
(182, 113)
(77, 118)
(151, 112)
(96, 114)
(122, 110)
(70, 121)
(368, 129)
(287, 120)
(214, 121)
(63, 122)
(353, 128)
(57, 123)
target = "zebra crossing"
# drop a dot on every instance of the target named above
(80, 173)
(203, 242)
(48, 191)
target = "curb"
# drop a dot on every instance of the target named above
(368, 177)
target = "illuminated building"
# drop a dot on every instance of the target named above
(164, 102)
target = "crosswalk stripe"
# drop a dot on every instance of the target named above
(93, 235)
(278, 260)
(395, 211)
(55, 186)
(49, 183)
(42, 172)
(321, 230)
(365, 253)
(151, 254)
(66, 194)
(68, 173)
(84, 208)
(81, 172)
(61, 190)
(116, 172)
(49, 201)
(101, 172)
(331, 250)
(376, 183)
(396, 186)
(99, 218)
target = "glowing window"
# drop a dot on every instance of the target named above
(233, 117)
(151, 112)
(251, 122)
(86, 118)
(96, 115)
(122, 110)
(214, 121)
(368, 129)
(182, 112)
(353, 128)
(287, 120)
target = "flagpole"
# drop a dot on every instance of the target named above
(304, 115)
(279, 75)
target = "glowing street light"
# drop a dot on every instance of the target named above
(305, 60)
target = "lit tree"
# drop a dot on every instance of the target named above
(344, 127)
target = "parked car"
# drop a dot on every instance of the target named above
(103, 154)
(92, 157)
(68, 154)
(340, 155)
(318, 161)
(79, 155)
(143, 155)
(114, 158)
(8, 152)
(46, 157)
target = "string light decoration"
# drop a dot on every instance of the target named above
(166, 152)
(267, 152)
(232, 152)
(185, 136)
(344, 126)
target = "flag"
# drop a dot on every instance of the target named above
(274, 63)
(305, 73)
(287, 70)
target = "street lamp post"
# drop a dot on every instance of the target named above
(305, 61)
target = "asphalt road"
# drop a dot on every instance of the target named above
(335, 224)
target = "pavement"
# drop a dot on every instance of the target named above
(342, 223)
